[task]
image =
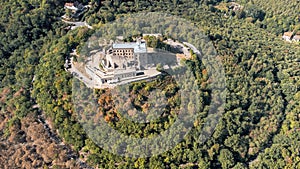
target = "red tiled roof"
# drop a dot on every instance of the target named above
(289, 34)
(69, 4)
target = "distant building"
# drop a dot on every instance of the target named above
(291, 37)
(235, 6)
(287, 36)
(74, 7)
(296, 38)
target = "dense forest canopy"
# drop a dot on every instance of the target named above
(280, 16)
(260, 127)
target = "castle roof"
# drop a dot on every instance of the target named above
(138, 47)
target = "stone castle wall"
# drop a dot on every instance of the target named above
(152, 59)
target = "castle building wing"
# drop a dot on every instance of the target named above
(137, 47)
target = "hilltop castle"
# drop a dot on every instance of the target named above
(128, 62)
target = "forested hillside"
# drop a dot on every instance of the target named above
(280, 15)
(25, 141)
(260, 127)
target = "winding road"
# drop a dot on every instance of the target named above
(78, 24)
